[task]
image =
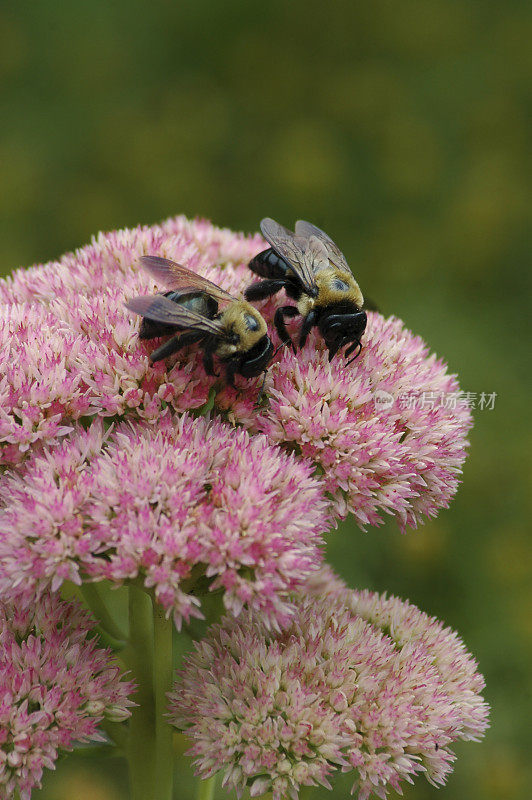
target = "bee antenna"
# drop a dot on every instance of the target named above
(261, 390)
(279, 347)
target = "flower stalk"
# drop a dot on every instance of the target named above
(149, 656)
(139, 656)
(205, 790)
(106, 623)
(162, 682)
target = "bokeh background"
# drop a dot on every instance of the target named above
(401, 129)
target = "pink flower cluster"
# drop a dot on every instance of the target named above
(56, 686)
(68, 347)
(69, 350)
(402, 460)
(357, 683)
(176, 503)
(108, 475)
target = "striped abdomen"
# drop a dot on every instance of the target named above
(269, 265)
(201, 303)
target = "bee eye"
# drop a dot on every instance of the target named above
(340, 285)
(251, 323)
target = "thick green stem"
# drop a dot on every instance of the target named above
(147, 740)
(205, 790)
(162, 682)
(142, 738)
(149, 656)
(91, 595)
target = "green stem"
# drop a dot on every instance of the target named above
(205, 790)
(207, 407)
(91, 595)
(149, 657)
(139, 656)
(162, 682)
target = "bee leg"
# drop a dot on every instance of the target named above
(208, 364)
(174, 344)
(191, 337)
(351, 349)
(167, 349)
(334, 347)
(280, 327)
(230, 370)
(310, 320)
(263, 289)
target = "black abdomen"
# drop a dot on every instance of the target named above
(269, 265)
(201, 303)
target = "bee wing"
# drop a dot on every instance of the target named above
(304, 256)
(334, 254)
(180, 279)
(160, 309)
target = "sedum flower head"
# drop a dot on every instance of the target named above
(70, 351)
(106, 474)
(69, 348)
(56, 686)
(184, 504)
(357, 682)
(402, 457)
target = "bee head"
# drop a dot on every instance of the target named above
(256, 359)
(245, 322)
(340, 325)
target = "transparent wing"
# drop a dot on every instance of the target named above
(180, 279)
(334, 254)
(305, 257)
(161, 309)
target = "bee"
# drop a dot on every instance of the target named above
(311, 269)
(189, 313)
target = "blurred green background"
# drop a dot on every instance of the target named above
(401, 129)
